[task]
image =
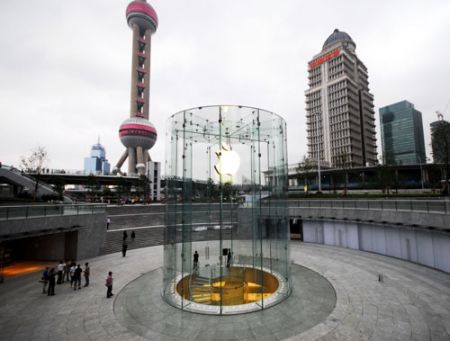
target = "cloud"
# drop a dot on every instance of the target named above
(65, 66)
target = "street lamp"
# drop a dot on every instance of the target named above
(318, 154)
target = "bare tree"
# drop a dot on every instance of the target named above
(35, 164)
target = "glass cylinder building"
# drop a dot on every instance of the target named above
(226, 242)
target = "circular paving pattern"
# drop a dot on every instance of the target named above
(140, 308)
(411, 303)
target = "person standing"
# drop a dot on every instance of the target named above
(124, 248)
(109, 285)
(45, 276)
(72, 274)
(108, 221)
(51, 282)
(60, 269)
(87, 272)
(133, 235)
(66, 271)
(229, 258)
(77, 278)
(196, 261)
(125, 235)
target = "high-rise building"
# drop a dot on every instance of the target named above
(402, 134)
(97, 162)
(339, 106)
(440, 140)
(137, 134)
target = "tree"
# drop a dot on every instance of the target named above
(342, 162)
(387, 174)
(92, 184)
(304, 166)
(35, 164)
(60, 185)
(144, 187)
(441, 149)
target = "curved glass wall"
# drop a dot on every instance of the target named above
(226, 242)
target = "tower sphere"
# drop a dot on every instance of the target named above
(137, 132)
(142, 14)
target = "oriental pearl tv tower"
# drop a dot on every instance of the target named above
(137, 134)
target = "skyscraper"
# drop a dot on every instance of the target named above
(402, 134)
(97, 162)
(339, 106)
(440, 140)
(137, 134)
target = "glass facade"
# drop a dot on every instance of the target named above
(97, 163)
(226, 242)
(402, 134)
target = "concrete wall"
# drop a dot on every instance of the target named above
(427, 247)
(123, 217)
(438, 220)
(53, 238)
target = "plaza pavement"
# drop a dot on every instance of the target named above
(411, 303)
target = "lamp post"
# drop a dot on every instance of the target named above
(318, 154)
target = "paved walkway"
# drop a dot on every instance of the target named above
(412, 303)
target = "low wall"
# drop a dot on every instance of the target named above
(426, 247)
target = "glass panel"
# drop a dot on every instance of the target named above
(226, 240)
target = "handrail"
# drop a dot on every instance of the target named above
(412, 205)
(38, 211)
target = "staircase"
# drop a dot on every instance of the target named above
(200, 289)
(144, 237)
(19, 178)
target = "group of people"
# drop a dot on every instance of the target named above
(70, 272)
(67, 271)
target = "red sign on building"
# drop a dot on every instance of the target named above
(323, 59)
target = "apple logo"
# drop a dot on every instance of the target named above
(228, 163)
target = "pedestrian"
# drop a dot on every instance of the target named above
(66, 271)
(229, 258)
(108, 221)
(72, 274)
(77, 278)
(60, 269)
(125, 235)
(45, 277)
(87, 272)
(195, 261)
(124, 249)
(51, 282)
(109, 285)
(133, 235)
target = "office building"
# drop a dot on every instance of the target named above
(440, 140)
(402, 134)
(97, 163)
(339, 106)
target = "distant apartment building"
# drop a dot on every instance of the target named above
(402, 134)
(339, 106)
(440, 140)
(97, 163)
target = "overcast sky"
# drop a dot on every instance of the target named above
(65, 65)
